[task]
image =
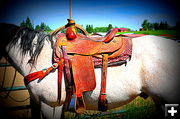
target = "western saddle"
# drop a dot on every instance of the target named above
(81, 55)
(77, 55)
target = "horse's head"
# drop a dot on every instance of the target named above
(24, 47)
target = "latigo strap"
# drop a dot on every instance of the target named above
(102, 104)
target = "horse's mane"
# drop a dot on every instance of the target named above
(26, 37)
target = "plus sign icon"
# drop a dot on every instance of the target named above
(172, 111)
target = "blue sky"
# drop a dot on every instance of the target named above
(121, 13)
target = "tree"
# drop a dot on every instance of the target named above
(177, 27)
(150, 26)
(109, 27)
(145, 24)
(43, 26)
(23, 24)
(48, 28)
(27, 23)
(163, 25)
(156, 26)
(37, 27)
(89, 28)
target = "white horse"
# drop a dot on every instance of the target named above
(154, 69)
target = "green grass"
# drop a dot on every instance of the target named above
(154, 32)
(137, 109)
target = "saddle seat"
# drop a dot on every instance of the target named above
(83, 45)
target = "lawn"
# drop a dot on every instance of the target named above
(153, 32)
(137, 109)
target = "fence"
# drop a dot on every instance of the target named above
(14, 97)
(15, 102)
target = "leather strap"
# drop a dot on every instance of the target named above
(67, 65)
(81, 105)
(111, 35)
(102, 104)
(41, 74)
(69, 86)
(60, 71)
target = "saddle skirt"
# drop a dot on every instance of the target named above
(85, 53)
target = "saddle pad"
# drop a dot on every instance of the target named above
(122, 54)
(84, 75)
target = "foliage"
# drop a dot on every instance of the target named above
(91, 29)
(43, 27)
(177, 27)
(145, 24)
(109, 27)
(100, 29)
(28, 23)
(37, 27)
(157, 26)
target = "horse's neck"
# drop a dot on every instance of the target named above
(45, 57)
(21, 62)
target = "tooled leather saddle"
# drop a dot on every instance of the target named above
(81, 55)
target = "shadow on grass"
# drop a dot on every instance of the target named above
(137, 109)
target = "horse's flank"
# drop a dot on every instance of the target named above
(160, 68)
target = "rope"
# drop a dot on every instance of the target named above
(77, 25)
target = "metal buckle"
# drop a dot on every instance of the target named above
(44, 70)
(55, 65)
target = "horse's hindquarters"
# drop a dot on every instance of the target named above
(160, 67)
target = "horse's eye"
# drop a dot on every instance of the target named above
(30, 61)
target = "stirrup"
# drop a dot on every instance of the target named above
(72, 104)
